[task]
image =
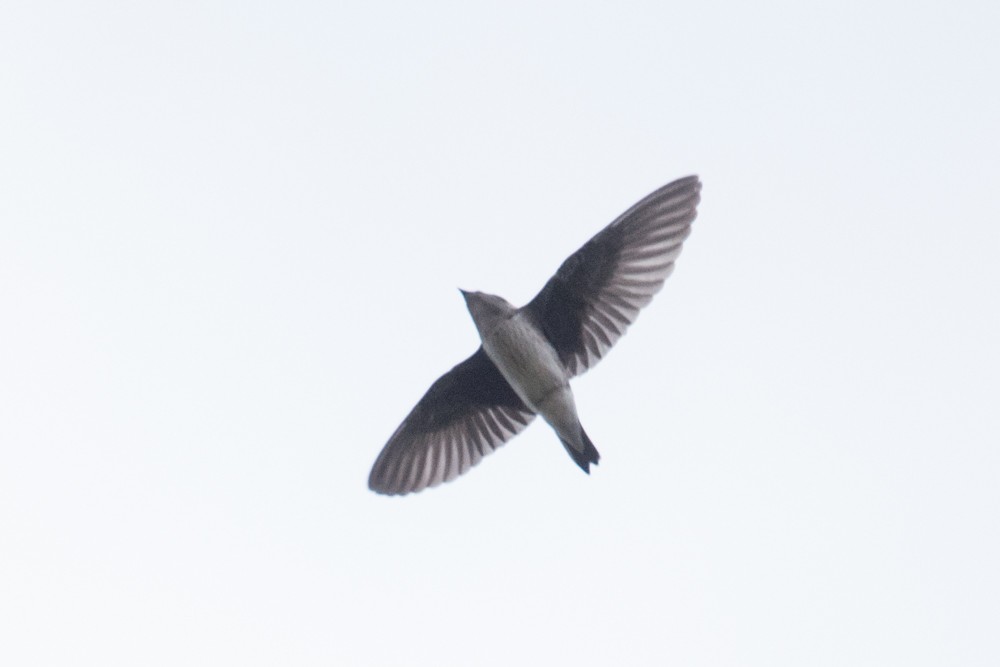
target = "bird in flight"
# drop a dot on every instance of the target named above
(529, 354)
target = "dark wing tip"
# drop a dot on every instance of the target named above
(379, 482)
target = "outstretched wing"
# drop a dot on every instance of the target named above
(598, 291)
(468, 413)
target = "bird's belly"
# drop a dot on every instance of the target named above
(527, 361)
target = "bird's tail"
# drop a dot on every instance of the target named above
(585, 456)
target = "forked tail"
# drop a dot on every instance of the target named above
(587, 455)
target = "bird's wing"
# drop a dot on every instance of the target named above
(598, 291)
(469, 412)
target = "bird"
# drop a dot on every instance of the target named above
(528, 355)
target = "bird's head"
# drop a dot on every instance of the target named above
(487, 310)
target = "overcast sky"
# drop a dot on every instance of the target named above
(230, 240)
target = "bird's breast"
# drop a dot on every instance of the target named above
(526, 359)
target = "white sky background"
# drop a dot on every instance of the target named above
(230, 240)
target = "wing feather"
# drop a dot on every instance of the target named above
(599, 290)
(468, 413)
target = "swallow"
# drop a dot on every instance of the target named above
(529, 354)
